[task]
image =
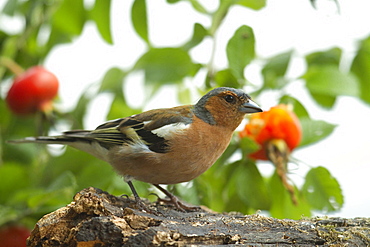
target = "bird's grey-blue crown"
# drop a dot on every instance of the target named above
(201, 112)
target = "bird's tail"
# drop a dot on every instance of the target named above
(43, 139)
(78, 139)
(67, 138)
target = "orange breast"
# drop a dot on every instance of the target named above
(192, 153)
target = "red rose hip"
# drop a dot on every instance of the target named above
(278, 123)
(14, 236)
(32, 91)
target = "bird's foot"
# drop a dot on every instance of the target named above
(144, 207)
(175, 201)
(178, 204)
(140, 204)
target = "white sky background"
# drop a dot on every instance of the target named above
(283, 25)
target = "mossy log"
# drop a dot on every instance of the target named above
(96, 218)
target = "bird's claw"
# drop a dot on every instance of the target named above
(178, 204)
(140, 205)
(174, 201)
(124, 195)
(143, 207)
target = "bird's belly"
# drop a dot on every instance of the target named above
(190, 154)
(183, 163)
(156, 168)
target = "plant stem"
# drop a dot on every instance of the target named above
(11, 65)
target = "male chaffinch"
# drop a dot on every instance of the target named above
(164, 146)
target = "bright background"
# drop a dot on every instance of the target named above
(281, 26)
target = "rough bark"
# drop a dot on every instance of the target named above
(96, 218)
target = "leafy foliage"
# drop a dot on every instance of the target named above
(322, 190)
(139, 19)
(35, 179)
(360, 67)
(240, 50)
(165, 65)
(324, 79)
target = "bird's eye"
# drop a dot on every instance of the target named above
(230, 99)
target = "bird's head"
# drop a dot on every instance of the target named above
(225, 107)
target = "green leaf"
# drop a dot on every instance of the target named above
(183, 94)
(225, 78)
(57, 37)
(187, 192)
(198, 7)
(219, 15)
(8, 50)
(248, 146)
(139, 19)
(230, 150)
(9, 213)
(80, 110)
(274, 71)
(324, 100)
(112, 81)
(249, 185)
(361, 68)
(322, 190)
(106, 176)
(100, 14)
(198, 35)
(324, 58)
(13, 177)
(117, 186)
(165, 65)
(10, 7)
(67, 22)
(72, 160)
(195, 69)
(325, 83)
(298, 108)
(314, 131)
(63, 181)
(58, 193)
(9, 47)
(119, 108)
(211, 185)
(45, 200)
(282, 206)
(240, 50)
(5, 119)
(208, 193)
(253, 4)
(234, 203)
(70, 17)
(329, 80)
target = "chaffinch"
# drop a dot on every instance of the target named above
(164, 146)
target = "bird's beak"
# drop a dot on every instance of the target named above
(250, 107)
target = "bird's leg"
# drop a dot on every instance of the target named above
(174, 200)
(139, 203)
(136, 195)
